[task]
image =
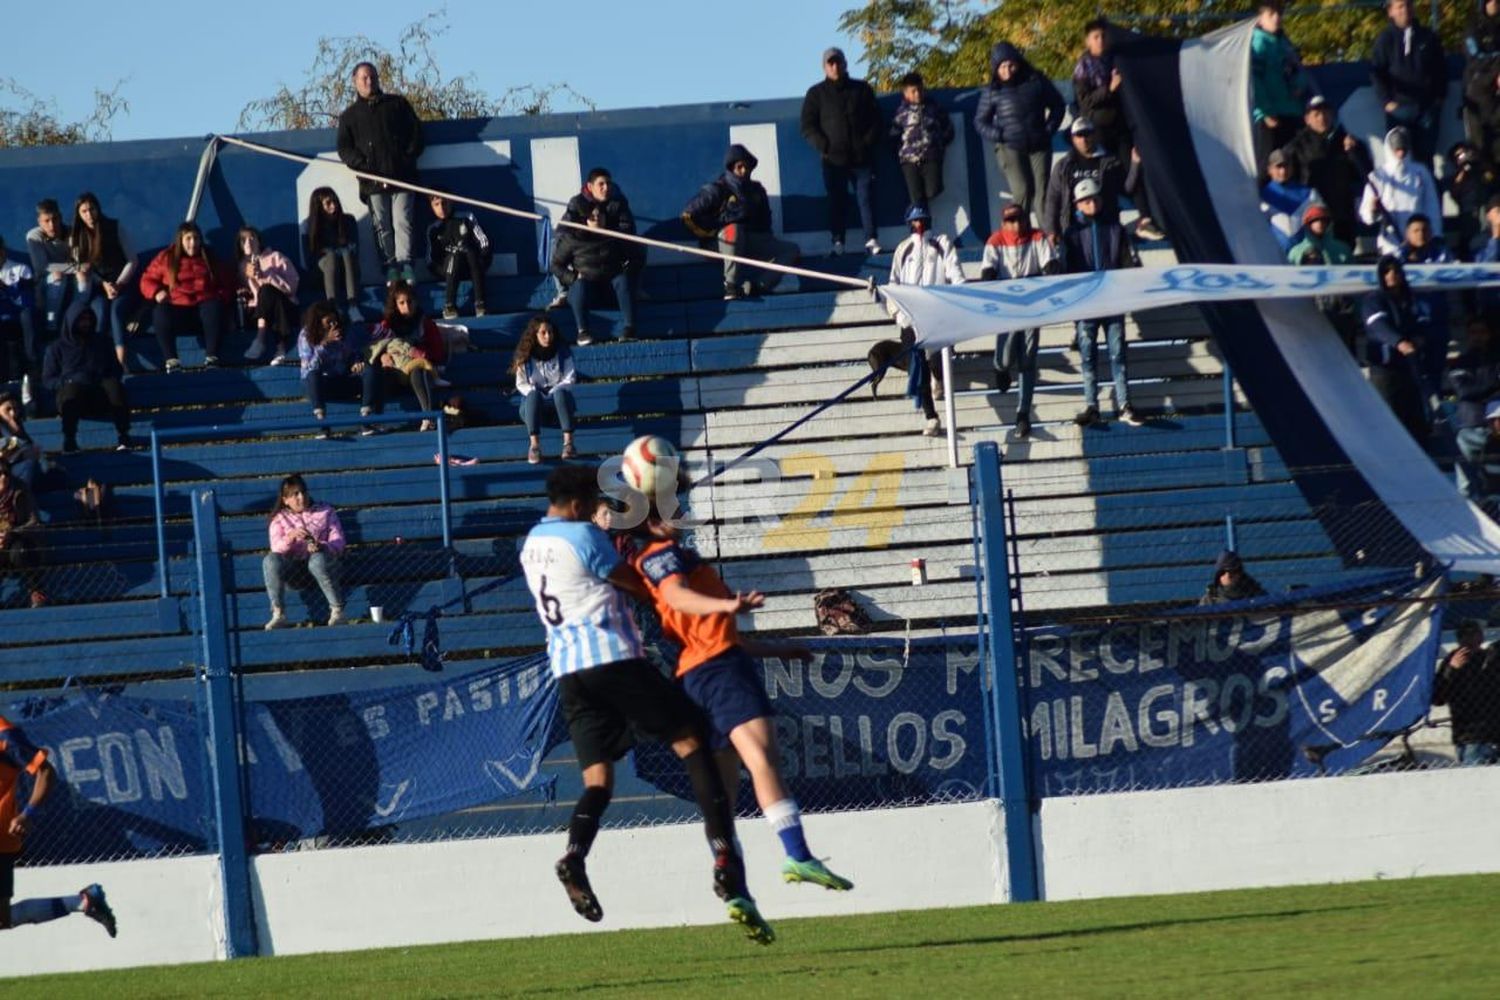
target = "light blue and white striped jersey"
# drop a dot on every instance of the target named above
(588, 621)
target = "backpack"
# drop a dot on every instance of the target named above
(838, 614)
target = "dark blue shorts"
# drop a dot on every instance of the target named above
(730, 691)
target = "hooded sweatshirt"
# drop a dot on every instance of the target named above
(1404, 187)
(1243, 588)
(1022, 112)
(728, 199)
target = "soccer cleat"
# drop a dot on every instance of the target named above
(96, 907)
(814, 871)
(742, 911)
(571, 873)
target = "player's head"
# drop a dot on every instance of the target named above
(573, 492)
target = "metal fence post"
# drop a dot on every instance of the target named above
(158, 494)
(1005, 690)
(444, 490)
(222, 718)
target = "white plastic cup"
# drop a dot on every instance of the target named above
(377, 614)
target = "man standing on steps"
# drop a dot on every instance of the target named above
(840, 121)
(1092, 244)
(18, 756)
(380, 134)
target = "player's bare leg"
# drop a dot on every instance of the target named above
(755, 742)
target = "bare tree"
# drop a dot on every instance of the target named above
(29, 120)
(410, 70)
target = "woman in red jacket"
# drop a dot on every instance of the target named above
(183, 283)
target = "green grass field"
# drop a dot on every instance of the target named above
(1433, 937)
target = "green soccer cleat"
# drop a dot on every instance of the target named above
(814, 871)
(743, 912)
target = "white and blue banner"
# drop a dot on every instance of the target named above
(1272, 688)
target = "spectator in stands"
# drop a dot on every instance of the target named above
(1481, 63)
(82, 371)
(923, 258)
(1283, 201)
(736, 211)
(51, 264)
(1470, 181)
(18, 545)
(268, 288)
(457, 248)
(305, 536)
(1231, 582)
(380, 134)
(841, 121)
(1096, 93)
(1016, 250)
(406, 347)
(1396, 189)
(1420, 248)
(1484, 94)
(18, 451)
(544, 372)
(1468, 682)
(1085, 158)
(185, 285)
(1333, 163)
(587, 264)
(105, 267)
(1317, 247)
(1090, 244)
(1018, 111)
(921, 132)
(1397, 325)
(332, 245)
(1474, 379)
(332, 368)
(1411, 77)
(1489, 298)
(17, 318)
(1278, 84)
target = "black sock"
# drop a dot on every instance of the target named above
(584, 826)
(708, 789)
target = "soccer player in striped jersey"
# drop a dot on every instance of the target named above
(609, 692)
(715, 669)
(18, 757)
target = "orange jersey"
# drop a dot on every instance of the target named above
(702, 637)
(16, 755)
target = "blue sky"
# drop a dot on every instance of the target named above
(189, 68)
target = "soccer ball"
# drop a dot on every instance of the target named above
(648, 462)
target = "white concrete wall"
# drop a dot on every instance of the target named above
(169, 912)
(371, 897)
(1280, 833)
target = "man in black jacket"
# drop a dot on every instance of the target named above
(1019, 109)
(1411, 77)
(380, 134)
(81, 369)
(1474, 379)
(1092, 244)
(1397, 326)
(735, 211)
(840, 120)
(1086, 159)
(1333, 163)
(1468, 682)
(585, 263)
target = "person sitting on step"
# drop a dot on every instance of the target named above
(305, 536)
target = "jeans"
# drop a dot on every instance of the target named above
(52, 300)
(1478, 754)
(331, 263)
(75, 399)
(1026, 175)
(455, 267)
(1467, 471)
(737, 241)
(531, 410)
(319, 386)
(323, 568)
(166, 318)
(924, 181)
(1016, 352)
(578, 299)
(1087, 331)
(836, 182)
(390, 212)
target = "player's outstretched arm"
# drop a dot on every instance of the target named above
(683, 598)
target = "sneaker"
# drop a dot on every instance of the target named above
(1129, 416)
(1087, 417)
(285, 358)
(173, 365)
(324, 434)
(1023, 425)
(368, 431)
(450, 312)
(742, 911)
(585, 338)
(425, 426)
(568, 452)
(479, 309)
(122, 443)
(814, 871)
(872, 247)
(96, 908)
(733, 293)
(257, 347)
(210, 361)
(558, 300)
(838, 248)
(408, 274)
(392, 275)
(1002, 379)
(534, 454)
(932, 428)
(626, 333)
(278, 620)
(38, 599)
(70, 446)
(336, 615)
(1149, 231)
(575, 880)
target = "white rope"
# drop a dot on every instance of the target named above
(534, 217)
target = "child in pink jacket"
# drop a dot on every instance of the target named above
(303, 535)
(268, 287)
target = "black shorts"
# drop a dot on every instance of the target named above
(607, 708)
(7, 876)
